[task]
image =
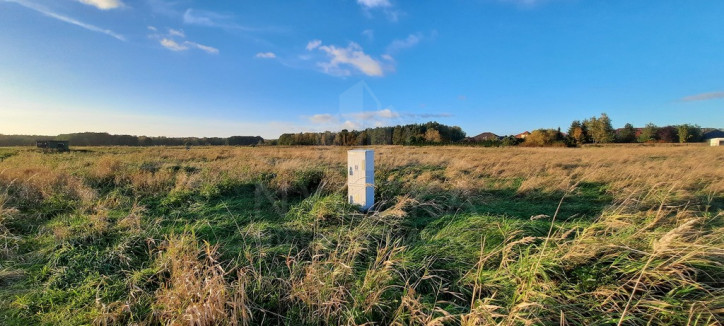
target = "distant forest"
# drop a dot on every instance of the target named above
(106, 139)
(412, 134)
(594, 130)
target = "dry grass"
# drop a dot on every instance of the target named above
(195, 291)
(651, 253)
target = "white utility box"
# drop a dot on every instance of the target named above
(361, 177)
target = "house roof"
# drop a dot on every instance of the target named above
(485, 136)
(716, 133)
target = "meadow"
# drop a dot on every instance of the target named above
(614, 235)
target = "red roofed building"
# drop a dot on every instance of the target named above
(522, 135)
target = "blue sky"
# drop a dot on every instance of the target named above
(221, 68)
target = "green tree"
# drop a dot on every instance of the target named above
(600, 129)
(649, 133)
(577, 134)
(627, 134)
(510, 141)
(541, 137)
(689, 133)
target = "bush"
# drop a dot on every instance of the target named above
(544, 137)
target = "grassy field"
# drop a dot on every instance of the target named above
(628, 235)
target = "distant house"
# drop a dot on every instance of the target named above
(522, 135)
(484, 137)
(716, 142)
(53, 145)
(711, 134)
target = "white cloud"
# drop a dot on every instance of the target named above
(526, 3)
(45, 11)
(176, 32)
(387, 57)
(408, 42)
(704, 97)
(103, 4)
(341, 59)
(387, 114)
(163, 7)
(393, 15)
(313, 44)
(374, 3)
(350, 125)
(205, 48)
(370, 34)
(200, 18)
(170, 42)
(173, 45)
(365, 119)
(385, 6)
(266, 55)
(212, 19)
(322, 118)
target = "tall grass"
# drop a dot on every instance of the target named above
(494, 236)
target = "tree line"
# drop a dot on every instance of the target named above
(412, 134)
(106, 139)
(594, 130)
(598, 130)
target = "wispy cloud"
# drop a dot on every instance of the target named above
(429, 115)
(369, 34)
(104, 4)
(384, 114)
(266, 55)
(213, 19)
(163, 7)
(408, 42)
(323, 118)
(525, 3)
(374, 3)
(365, 119)
(203, 18)
(385, 6)
(185, 45)
(173, 45)
(205, 48)
(703, 97)
(176, 32)
(169, 41)
(342, 59)
(47, 12)
(355, 112)
(313, 44)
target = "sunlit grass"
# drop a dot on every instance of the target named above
(474, 236)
